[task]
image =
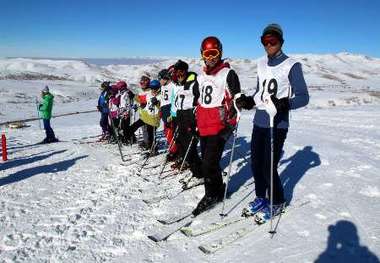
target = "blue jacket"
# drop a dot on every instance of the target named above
(103, 102)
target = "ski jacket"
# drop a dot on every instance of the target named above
(46, 106)
(126, 103)
(215, 110)
(282, 77)
(148, 112)
(113, 105)
(103, 102)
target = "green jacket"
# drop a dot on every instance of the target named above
(46, 106)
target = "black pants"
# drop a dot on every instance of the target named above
(186, 134)
(137, 124)
(261, 159)
(212, 149)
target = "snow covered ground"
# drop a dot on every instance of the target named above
(74, 202)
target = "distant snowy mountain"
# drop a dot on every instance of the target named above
(342, 69)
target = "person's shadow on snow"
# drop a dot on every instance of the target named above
(49, 168)
(27, 160)
(343, 246)
(242, 154)
(299, 164)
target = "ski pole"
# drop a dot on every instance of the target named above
(272, 111)
(117, 140)
(231, 157)
(187, 152)
(38, 114)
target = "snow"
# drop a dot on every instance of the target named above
(75, 202)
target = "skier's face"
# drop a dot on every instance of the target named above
(144, 82)
(271, 44)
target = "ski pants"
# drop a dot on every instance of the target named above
(212, 149)
(139, 123)
(261, 159)
(48, 130)
(104, 122)
(186, 134)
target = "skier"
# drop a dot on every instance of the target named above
(114, 118)
(280, 79)
(45, 109)
(164, 76)
(148, 110)
(126, 101)
(103, 109)
(216, 117)
(186, 100)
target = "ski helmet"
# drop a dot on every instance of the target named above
(275, 30)
(211, 47)
(154, 84)
(121, 85)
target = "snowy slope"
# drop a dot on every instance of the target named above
(73, 201)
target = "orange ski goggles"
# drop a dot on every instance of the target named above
(210, 54)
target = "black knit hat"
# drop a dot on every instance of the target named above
(181, 65)
(273, 29)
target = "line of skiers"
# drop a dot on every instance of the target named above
(200, 108)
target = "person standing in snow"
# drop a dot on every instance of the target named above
(280, 79)
(216, 118)
(148, 110)
(103, 109)
(46, 108)
(186, 100)
(165, 77)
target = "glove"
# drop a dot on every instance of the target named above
(142, 105)
(282, 105)
(39, 106)
(245, 102)
(99, 108)
(154, 101)
(134, 107)
(169, 119)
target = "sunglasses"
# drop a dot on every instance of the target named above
(209, 54)
(272, 40)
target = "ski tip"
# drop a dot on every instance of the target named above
(186, 231)
(204, 250)
(162, 221)
(153, 238)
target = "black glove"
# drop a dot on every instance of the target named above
(99, 108)
(245, 102)
(154, 101)
(282, 105)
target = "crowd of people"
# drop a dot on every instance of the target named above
(202, 108)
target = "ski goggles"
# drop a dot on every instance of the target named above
(210, 54)
(272, 40)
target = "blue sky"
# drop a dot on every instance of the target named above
(116, 28)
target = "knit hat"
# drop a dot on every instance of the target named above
(273, 29)
(45, 90)
(181, 65)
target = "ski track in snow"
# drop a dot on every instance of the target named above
(70, 202)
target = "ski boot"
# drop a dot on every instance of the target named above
(255, 206)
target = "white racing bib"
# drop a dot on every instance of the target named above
(184, 98)
(213, 88)
(273, 80)
(165, 94)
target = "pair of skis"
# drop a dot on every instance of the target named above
(246, 226)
